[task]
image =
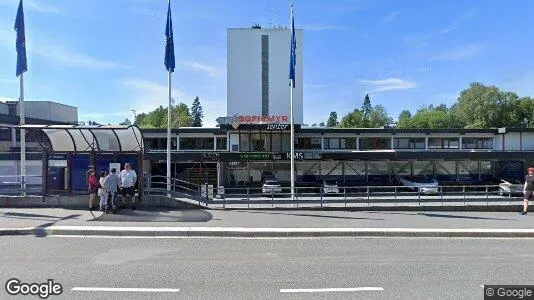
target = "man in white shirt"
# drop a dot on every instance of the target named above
(128, 178)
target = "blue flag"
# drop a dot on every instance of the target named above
(169, 47)
(292, 55)
(22, 64)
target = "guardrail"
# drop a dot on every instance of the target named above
(21, 185)
(356, 195)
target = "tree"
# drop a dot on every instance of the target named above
(196, 113)
(321, 124)
(366, 106)
(378, 117)
(180, 117)
(332, 120)
(126, 122)
(354, 119)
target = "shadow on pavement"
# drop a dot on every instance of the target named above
(16, 215)
(154, 215)
(40, 230)
(438, 215)
(308, 215)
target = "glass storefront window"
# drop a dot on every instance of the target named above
(375, 143)
(187, 143)
(221, 143)
(423, 168)
(401, 168)
(477, 143)
(244, 142)
(277, 142)
(286, 142)
(409, 143)
(258, 143)
(307, 143)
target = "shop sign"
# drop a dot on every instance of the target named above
(237, 120)
(304, 155)
(255, 156)
(277, 126)
(210, 156)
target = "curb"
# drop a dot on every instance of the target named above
(232, 232)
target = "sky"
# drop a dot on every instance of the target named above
(106, 56)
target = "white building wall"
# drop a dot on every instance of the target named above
(244, 72)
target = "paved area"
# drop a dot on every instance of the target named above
(44, 217)
(336, 268)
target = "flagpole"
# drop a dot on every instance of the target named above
(22, 138)
(169, 137)
(292, 142)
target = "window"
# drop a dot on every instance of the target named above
(409, 143)
(159, 143)
(244, 142)
(221, 143)
(307, 143)
(340, 143)
(443, 143)
(189, 143)
(258, 143)
(375, 143)
(477, 143)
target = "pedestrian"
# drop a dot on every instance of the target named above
(128, 178)
(92, 184)
(111, 185)
(528, 189)
(102, 193)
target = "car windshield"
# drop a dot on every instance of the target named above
(271, 182)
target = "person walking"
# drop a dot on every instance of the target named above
(102, 193)
(128, 178)
(111, 184)
(92, 184)
(528, 189)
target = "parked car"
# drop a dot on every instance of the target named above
(330, 187)
(271, 186)
(509, 188)
(422, 186)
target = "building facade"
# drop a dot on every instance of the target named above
(258, 71)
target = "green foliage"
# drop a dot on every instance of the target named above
(196, 113)
(332, 120)
(367, 117)
(180, 117)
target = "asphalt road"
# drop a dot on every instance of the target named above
(394, 268)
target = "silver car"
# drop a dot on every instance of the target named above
(271, 186)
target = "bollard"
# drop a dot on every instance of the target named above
(345, 195)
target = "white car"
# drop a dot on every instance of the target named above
(508, 188)
(271, 186)
(330, 187)
(422, 187)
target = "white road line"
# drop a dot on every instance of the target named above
(357, 289)
(105, 289)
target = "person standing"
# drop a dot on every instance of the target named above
(128, 178)
(111, 184)
(102, 193)
(92, 183)
(528, 189)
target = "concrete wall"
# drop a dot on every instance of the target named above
(4, 110)
(244, 72)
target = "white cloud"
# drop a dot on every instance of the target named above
(389, 84)
(322, 27)
(389, 18)
(34, 5)
(209, 70)
(66, 57)
(460, 53)
(57, 53)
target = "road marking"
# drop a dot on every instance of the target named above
(105, 289)
(357, 289)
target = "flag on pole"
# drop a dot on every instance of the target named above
(169, 47)
(22, 64)
(292, 55)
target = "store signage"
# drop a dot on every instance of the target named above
(255, 156)
(277, 127)
(210, 156)
(237, 120)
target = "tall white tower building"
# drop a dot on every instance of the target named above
(258, 70)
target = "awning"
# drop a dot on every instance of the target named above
(74, 138)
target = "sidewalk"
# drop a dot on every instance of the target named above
(270, 223)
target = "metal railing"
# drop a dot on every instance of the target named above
(12, 185)
(319, 196)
